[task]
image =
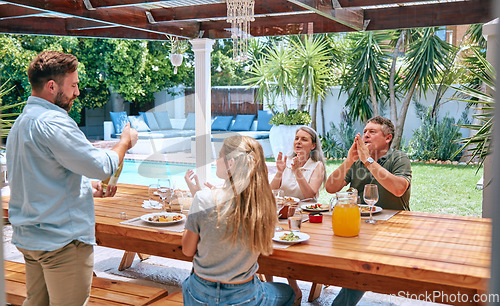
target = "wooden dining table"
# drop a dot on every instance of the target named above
(429, 257)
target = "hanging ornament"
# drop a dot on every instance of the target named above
(239, 15)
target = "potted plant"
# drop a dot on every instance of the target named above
(283, 130)
(281, 77)
(177, 49)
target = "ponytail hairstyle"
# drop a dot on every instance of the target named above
(247, 204)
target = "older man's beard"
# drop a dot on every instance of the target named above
(63, 102)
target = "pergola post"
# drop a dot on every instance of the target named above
(202, 47)
(489, 33)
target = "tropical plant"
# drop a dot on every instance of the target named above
(293, 117)
(295, 67)
(337, 142)
(480, 143)
(313, 72)
(427, 58)
(435, 138)
(365, 81)
(6, 118)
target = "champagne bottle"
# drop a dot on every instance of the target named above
(112, 180)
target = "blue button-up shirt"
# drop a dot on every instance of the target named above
(49, 161)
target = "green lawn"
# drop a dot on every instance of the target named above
(443, 189)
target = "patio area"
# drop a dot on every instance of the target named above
(168, 273)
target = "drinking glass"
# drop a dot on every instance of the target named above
(370, 195)
(154, 197)
(278, 195)
(165, 191)
(294, 218)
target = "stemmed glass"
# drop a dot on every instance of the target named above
(278, 195)
(154, 196)
(370, 195)
(165, 191)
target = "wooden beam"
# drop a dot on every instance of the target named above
(348, 17)
(438, 14)
(132, 18)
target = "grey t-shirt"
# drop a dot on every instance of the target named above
(217, 258)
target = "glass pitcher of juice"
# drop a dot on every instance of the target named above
(346, 218)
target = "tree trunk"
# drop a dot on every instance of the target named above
(313, 115)
(373, 96)
(400, 122)
(321, 108)
(392, 93)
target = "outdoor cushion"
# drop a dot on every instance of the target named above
(137, 122)
(119, 120)
(242, 123)
(153, 125)
(263, 118)
(190, 122)
(163, 120)
(221, 123)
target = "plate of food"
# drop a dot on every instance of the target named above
(315, 207)
(162, 218)
(365, 209)
(288, 237)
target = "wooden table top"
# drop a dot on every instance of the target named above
(412, 252)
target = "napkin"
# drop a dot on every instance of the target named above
(151, 204)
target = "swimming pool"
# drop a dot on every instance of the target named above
(140, 172)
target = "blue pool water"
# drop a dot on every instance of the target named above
(148, 172)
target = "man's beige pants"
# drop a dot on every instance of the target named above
(60, 277)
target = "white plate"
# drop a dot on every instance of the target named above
(146, 217)
(323, 208)
(367, 213)
(303, 237)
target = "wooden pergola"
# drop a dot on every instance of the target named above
(201, 21)
(189, 19)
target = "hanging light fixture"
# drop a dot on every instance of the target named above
(239, 15)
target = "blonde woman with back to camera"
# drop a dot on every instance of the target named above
(228, 228)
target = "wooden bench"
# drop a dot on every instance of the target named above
(104, 291)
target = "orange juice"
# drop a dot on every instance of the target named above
(346, 220)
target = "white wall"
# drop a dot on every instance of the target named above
(334, 104)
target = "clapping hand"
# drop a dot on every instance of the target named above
(194, 186)
(295, 164)
(281, 162)
(352, 155)
(362, 149)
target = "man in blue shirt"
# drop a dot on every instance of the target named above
(51, 206)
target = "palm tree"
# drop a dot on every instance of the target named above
(6, 119)
(313, 72)
(483, 99)
(427, 58)
(366, 78)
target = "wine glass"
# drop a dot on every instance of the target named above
(154, 197)
(165, 191)
(278, 195)
(370, 195)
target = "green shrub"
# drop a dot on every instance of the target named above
(337, 142)
(293, 117)
(434, 139)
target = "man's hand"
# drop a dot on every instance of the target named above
(281, 162)
(352, 155)
(98, 191)
(129, 135)
(363, 151)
